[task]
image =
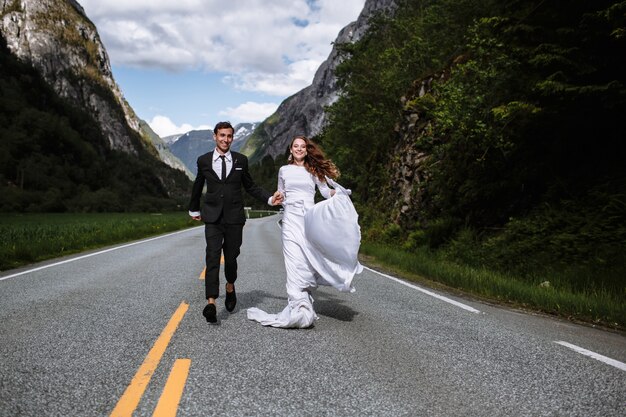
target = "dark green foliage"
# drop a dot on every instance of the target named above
(525, 131)
(53, 157)
(422, 38)
(577, 242)
(533, 115)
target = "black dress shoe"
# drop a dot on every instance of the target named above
(231, 300)
(210, 313)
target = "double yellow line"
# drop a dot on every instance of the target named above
(173, 391)
(168, 403)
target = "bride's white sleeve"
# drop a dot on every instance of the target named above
(281, 182)
(323, 187)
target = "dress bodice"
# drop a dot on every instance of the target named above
(298, 185)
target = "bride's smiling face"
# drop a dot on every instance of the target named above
(298, 150)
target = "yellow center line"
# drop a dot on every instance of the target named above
(131, 397)
(168, 403)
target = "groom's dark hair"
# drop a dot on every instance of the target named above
(223, 125)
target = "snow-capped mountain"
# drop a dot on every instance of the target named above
(242, 132)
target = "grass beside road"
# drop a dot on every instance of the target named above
(599, 307)
(28, 238)
(34, 237)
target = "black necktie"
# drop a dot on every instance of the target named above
(223, 167)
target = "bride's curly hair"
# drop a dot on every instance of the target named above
(315, 161)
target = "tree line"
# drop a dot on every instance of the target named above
(525, 140)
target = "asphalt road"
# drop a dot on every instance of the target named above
(121, 332)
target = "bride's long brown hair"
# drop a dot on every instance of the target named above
(315, 161)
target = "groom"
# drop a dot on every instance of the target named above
(224, 172)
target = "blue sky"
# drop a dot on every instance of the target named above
(189, 99)
(188, 64)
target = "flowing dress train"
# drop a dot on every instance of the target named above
(318, 247)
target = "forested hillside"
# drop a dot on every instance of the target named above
(515, 112)
(54, 158)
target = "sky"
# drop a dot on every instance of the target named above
(187, 64)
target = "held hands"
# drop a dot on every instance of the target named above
(277, 198)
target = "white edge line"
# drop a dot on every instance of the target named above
(93, 254)
(432, 294)
(597, 356)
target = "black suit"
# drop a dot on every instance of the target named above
(223, 215)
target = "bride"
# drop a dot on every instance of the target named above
(319, 247)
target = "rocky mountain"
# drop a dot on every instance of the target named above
(69, 141)
(54, 157)
(189, 146)
(303, 113)
(171, 138)
(58, 39)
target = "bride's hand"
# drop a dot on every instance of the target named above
(277, 198)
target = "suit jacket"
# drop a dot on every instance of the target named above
(224, 197)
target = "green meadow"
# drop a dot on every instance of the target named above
(34, 237)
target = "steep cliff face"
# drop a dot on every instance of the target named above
(58, 39)
(409, 169)
(303, 113)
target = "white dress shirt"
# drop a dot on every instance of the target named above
(217, 163)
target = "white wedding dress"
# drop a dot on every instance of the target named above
(320, 245)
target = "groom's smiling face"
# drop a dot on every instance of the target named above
(223, 139)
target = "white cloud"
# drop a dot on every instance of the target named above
(298, 76)
(163, 126)
(268, 46)
(249, 112)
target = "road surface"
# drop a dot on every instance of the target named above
(120, 332)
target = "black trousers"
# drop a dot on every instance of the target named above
(221, 237)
